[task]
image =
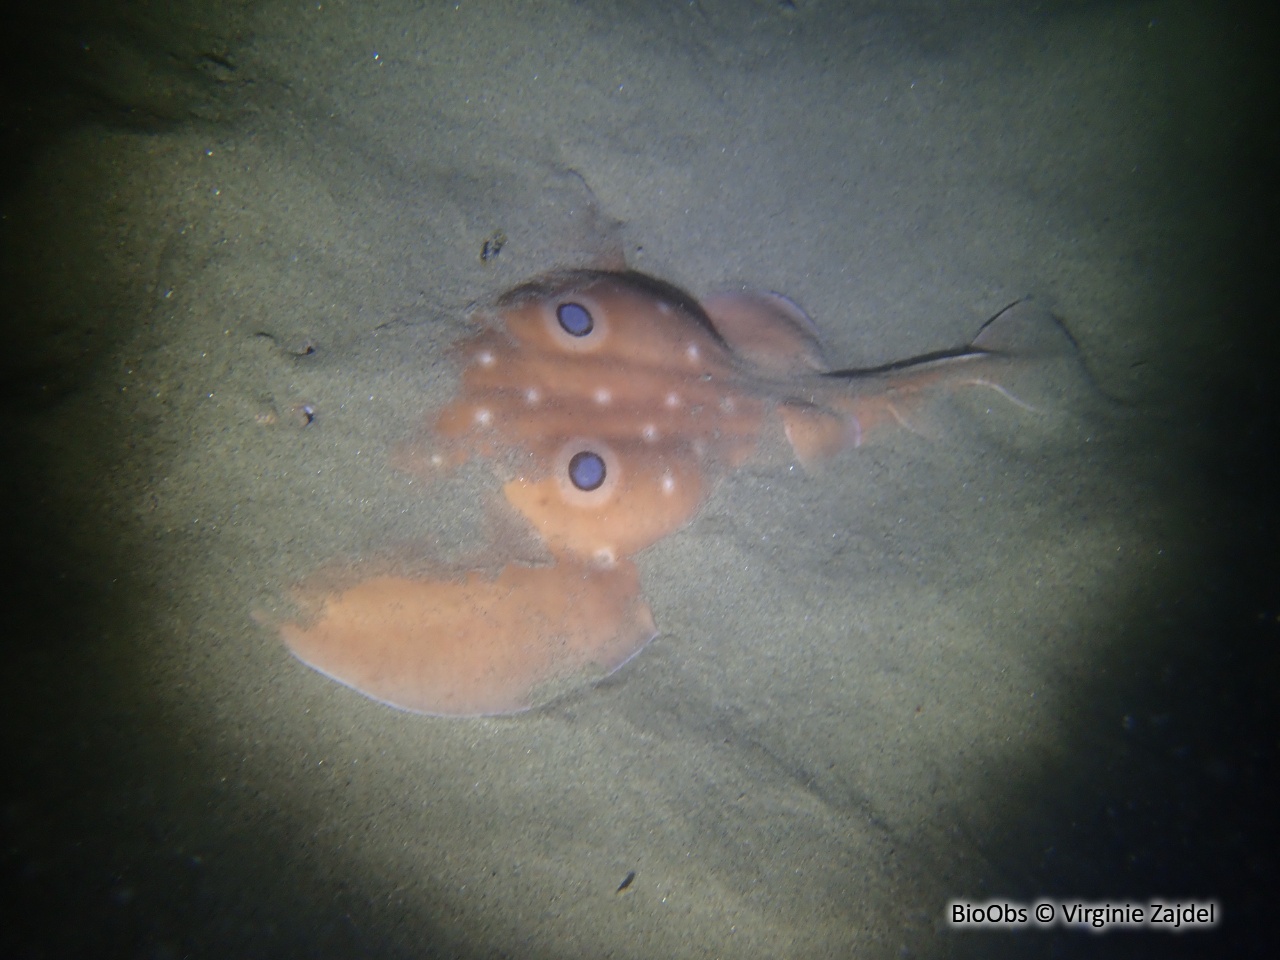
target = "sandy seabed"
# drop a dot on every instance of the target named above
(999, 663)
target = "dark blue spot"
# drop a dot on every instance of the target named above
(586, 470)
(574, 319)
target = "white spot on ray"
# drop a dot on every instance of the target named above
(668, 483)
(483, 416)
(486, 358)
(532, 396)
(672, 400)
(649, 432)
(692, 353)
(602, 396)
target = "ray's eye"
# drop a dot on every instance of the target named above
(575, 319)
(586, 470)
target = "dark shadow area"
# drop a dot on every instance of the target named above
(119, 841)
(102, 852)
(142, 67)
(1173, 743)
(66, 66)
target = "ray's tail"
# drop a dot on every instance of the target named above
(1024, 355)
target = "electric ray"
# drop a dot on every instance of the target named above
(608, 403)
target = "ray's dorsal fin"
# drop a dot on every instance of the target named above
(1026, 354)
(1027, 329)
(769, 330)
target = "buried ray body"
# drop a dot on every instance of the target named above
(610, 403)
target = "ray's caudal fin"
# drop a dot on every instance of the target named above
(1023, 354)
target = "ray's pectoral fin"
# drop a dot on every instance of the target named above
(768, 329)
(477, 645)
(1023, 355)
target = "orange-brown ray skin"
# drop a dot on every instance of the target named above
(477, 646)
(658, 396)
(657, 387)
(769, 330)
(836, 414)
(526, 396)
(647, 331)
(667, 406)
(535, 428)
(652, 498)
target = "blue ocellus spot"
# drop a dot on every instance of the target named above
(586, 470)
(575, 319)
